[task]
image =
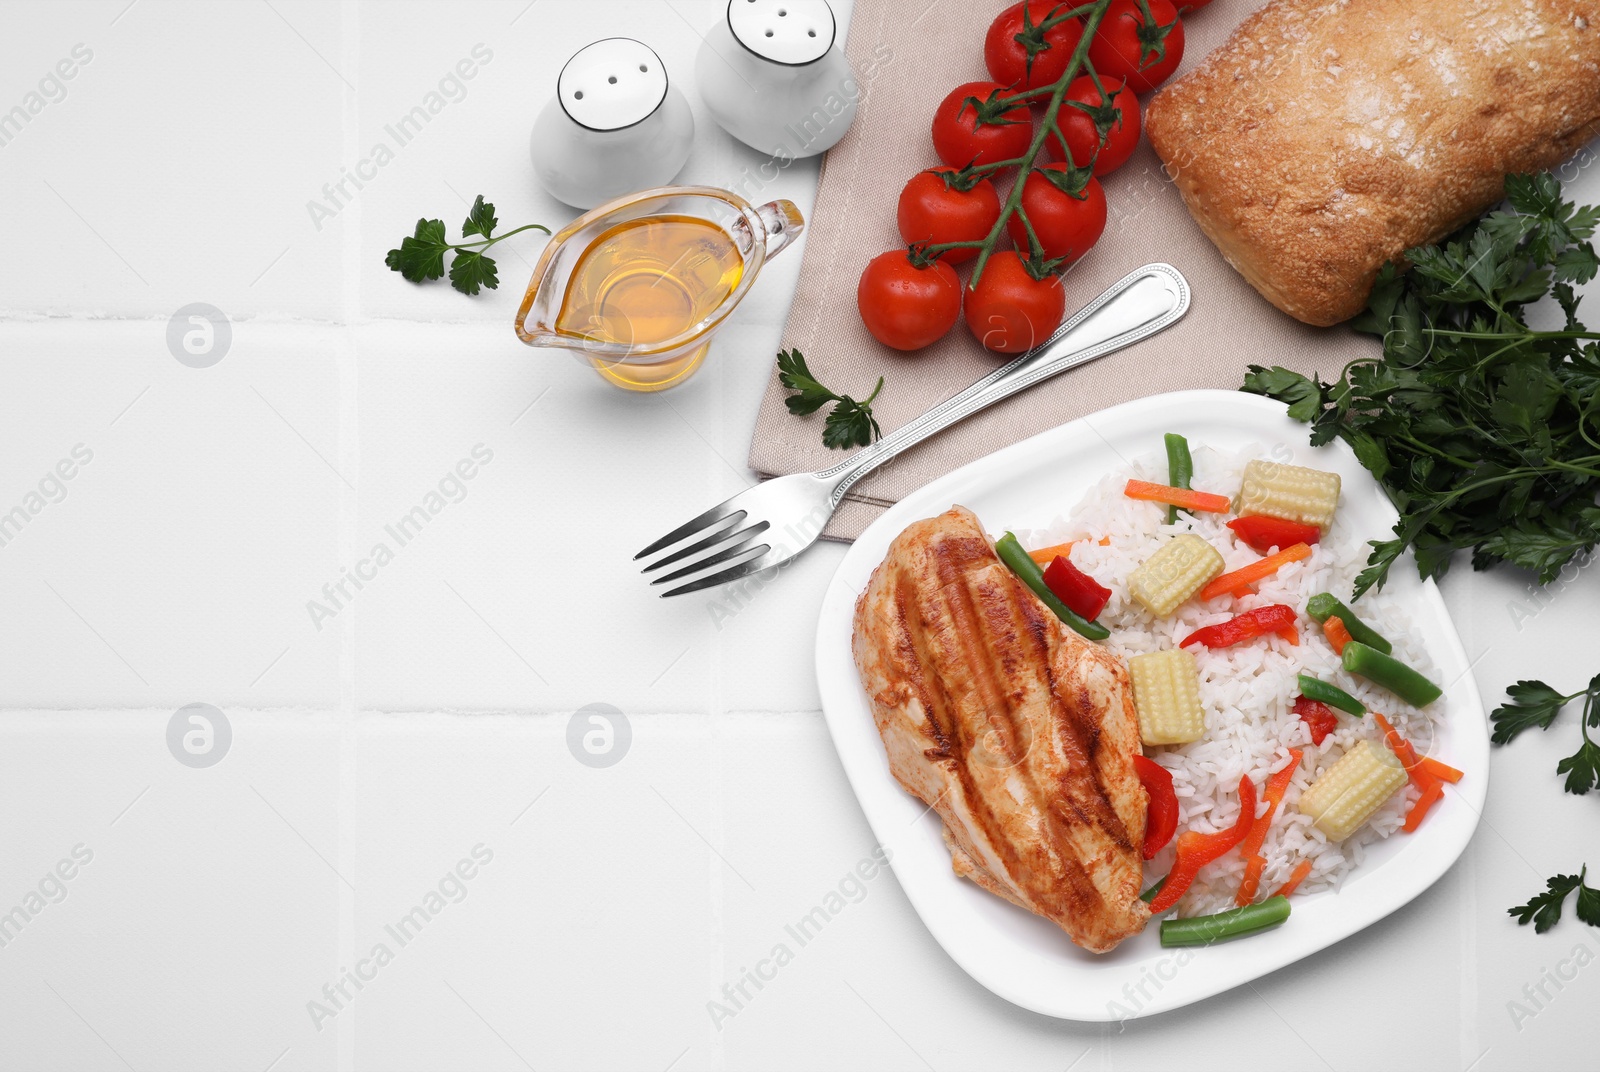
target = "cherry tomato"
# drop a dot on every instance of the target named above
(1007, 57)
(1083, 136)
(959, 140)
(904, 306)
(933, 211)
(1067, 226)
(1010, 311)
(1143, 56)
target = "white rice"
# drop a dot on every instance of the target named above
(1248, 690)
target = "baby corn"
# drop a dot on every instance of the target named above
(1177, 571)
(1166, 694)
(1290, 492)
(1355, 787)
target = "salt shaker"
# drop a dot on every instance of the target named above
(772, 74)
(616, 125)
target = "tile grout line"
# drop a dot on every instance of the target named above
(349, 447)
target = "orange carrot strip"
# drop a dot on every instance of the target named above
(1277, 785)
(1297, 876)
(1429, 786)
(1252, 878)
(1440, 770)
(1239, 580)
(1202, 501)
(1336, 633)
(1046, 555)
(1430, 796)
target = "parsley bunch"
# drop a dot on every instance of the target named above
(1484, 432)
(848, 424)
(421, 255)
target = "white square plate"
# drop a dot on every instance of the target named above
(1028, 960)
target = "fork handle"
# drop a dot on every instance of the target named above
(1142, 303)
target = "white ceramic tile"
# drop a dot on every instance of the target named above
(177, 565)
(178, 166)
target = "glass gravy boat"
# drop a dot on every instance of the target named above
(638, 285)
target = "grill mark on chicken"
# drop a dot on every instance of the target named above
(1016, 732)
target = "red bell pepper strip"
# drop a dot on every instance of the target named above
(1161, 818)
(1265, 533)
(1278, 618)
(1429, 786)
(1297, 876)
(1239, 581)
(1253, 866)
(1199, 501)
(1334, 629)
(1085, 595)
(1277, 785)
(1318, 716)
(1195, 850)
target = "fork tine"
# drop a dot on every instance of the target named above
(728, 554)
(720, 536)
(692, 526)
(733, 573)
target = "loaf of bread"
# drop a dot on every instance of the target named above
(1326, 137)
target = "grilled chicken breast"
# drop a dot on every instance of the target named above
(1015, 730)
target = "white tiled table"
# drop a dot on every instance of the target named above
(427, 719)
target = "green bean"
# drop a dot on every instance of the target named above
(1332, 695)
(1394, 675)
(1012, 554)
(1180, 468)
(1149, 895)
(1234, 923)
(1324, 606)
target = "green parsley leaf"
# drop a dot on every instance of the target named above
(1533, 703)
(1543, 910)
(793, 374)
(1582, 768)
(472, 269)
(420, 256)
(848, 424)
(480, 220)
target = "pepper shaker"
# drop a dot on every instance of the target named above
(773, 76)
(615, 125)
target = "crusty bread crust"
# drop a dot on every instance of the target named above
(1326, 137)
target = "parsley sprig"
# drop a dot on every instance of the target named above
(1536, 704)
(848, 424)
(1533, 703)
(1543, 910)
(421, 255)
(1484, 431)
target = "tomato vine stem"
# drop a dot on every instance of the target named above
(1092, 14)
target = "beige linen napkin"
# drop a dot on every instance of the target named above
(906, 67)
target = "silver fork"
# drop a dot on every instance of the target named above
(786, 514)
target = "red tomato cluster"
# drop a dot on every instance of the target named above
(910, 298)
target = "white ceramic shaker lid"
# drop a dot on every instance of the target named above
(791, 32)
(612, 84)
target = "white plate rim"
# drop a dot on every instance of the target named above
(1319, 920)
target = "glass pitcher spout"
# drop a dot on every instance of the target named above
(637, 286)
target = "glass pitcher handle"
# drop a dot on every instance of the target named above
(781, 224)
